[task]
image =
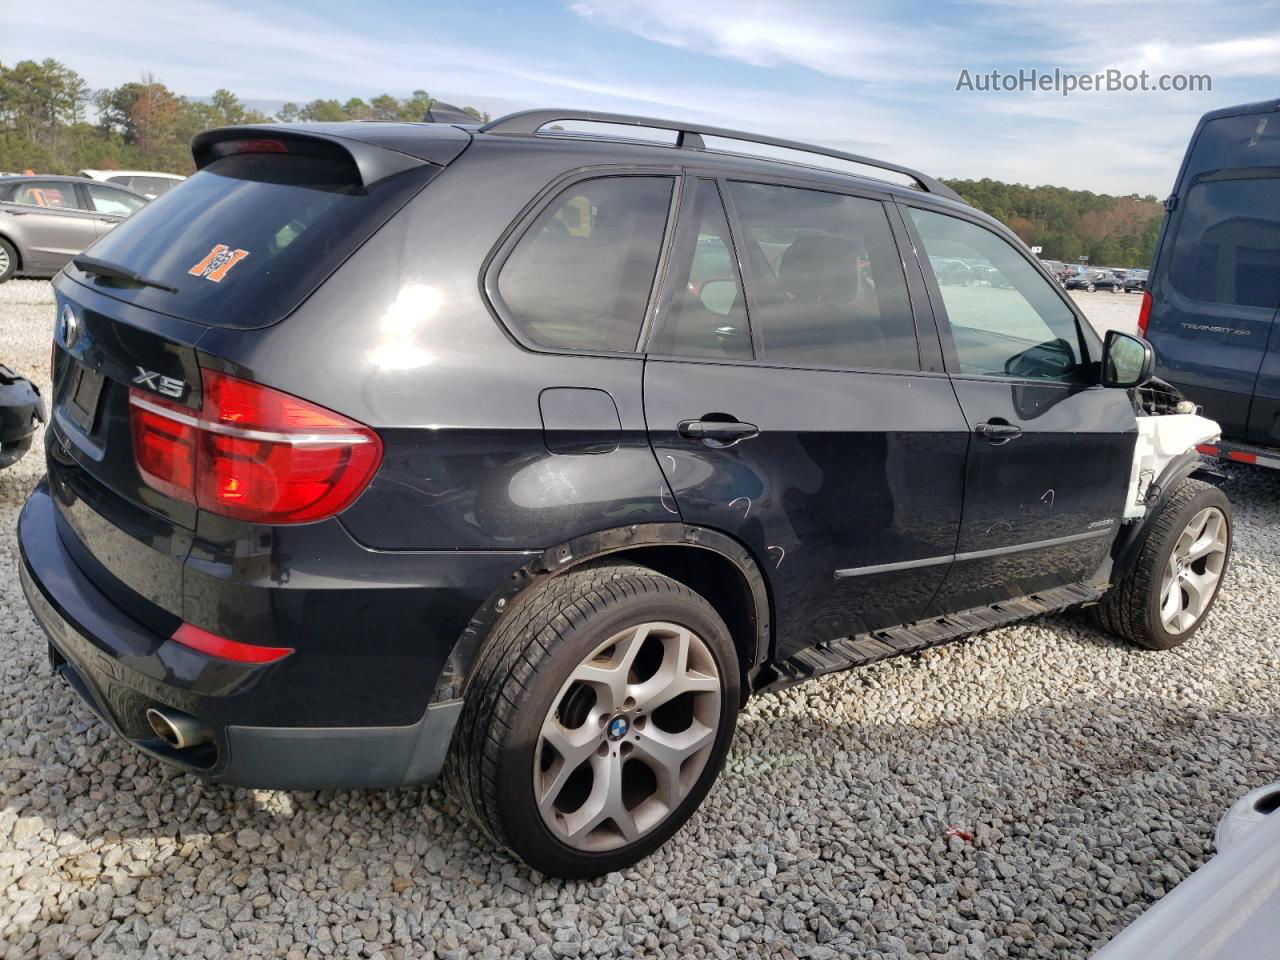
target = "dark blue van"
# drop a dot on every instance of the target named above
(1212, 298)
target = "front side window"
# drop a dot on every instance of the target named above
(825, 279)
(1228, 244)
(707, 316)
(114, 202)
(581, 276)
(50, 194)
(1006, 319)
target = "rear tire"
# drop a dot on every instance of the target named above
(1164, 598)
(581, 664)
(8, 260)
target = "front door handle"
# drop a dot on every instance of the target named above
(726, 432)
(997, 431)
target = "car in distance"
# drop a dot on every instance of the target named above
(1212, 296)
(149, 183)
(627, 433)
(1135, 281)
(1092, 280)
(45, 221)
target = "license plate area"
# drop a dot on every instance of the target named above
(83, 398)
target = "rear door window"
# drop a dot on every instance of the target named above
(114, 202)
(581, 275)
(825, 280)
(251, 235)
(1227, 248)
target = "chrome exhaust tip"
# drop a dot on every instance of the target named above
(177, 729)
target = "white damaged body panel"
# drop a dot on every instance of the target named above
(1160, 440)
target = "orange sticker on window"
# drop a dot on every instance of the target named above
(220, 259)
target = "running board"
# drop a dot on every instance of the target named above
(867, 648)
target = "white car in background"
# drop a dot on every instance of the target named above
(149, 183)
(1229, 909)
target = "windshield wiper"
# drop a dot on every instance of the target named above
(101, 268)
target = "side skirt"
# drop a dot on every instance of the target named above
(867, 648)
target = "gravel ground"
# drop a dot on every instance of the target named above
(1025, 794)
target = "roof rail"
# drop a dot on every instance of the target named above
(689, 136)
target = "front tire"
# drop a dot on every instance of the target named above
(1091, 288)
(598, 715)
(1163, 599)
(8, 260)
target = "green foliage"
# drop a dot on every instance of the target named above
(1069, 224)
(51, 122)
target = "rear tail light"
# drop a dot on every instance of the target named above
(1144, 313)
(252, 453)
(191, 636)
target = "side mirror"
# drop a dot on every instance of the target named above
(1127, 361)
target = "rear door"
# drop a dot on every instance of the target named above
(49, 220)
(800, 418)
(1050, 450)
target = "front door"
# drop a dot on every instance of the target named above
(1049, 449)
(798, 419)
(49, 218)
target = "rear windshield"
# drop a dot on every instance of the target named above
(250, 236)
(1250, 140)
(1227, 247)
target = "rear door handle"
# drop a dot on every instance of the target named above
(997, 431)
(724, 431)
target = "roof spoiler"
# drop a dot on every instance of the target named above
(689, 137)
(368, 163)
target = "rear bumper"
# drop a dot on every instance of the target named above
(121, 668)
(1242, 453)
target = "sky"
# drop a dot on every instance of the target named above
(878, 77)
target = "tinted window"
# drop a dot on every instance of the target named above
(580, 277)
(295, 217)
(115, 202)
(1006, 319)
(1251, 140)
(825, 279)
(1228, 245)
(53, 194)
(707, 316)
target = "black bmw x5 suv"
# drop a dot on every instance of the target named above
(381, 450)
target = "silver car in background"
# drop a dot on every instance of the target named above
(45, 221)
(149, 183)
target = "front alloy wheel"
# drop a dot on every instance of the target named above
(1194, 570)
(627, 737)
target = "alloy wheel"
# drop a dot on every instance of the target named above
(4, 261)
(627, 736)
(1194, 571)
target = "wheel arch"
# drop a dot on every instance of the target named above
(711, 563)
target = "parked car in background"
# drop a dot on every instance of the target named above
(149, 183)
(550, 516)
(953, 272)
(1211, 302)
(1135, 281)
(1054, 267)
(1091, 280)
(45, 221)
(1229, 909)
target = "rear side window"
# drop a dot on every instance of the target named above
(1006, 319)
(114, 202)
(251, 235)
(581, 275)
(1249, 140)
(1228, 245)
(707, 316)
(825, 279)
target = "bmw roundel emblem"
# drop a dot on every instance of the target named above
(618, 728)
(69, 327)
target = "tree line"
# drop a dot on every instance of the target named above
(52, 122)
(1070, 224)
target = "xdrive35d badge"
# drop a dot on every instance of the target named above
(528, 476)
